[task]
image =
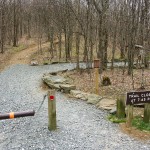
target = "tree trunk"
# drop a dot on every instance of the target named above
(15, 25)
(60, 45)
(2, 26)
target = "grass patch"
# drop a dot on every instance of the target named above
(19, 48)
(139, 124)
(114, 119)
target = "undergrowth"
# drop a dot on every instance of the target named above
(19, 48)
(114, 119)
(139, 124)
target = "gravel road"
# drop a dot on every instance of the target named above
(80, 126)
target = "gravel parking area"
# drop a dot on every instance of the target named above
(80, 126)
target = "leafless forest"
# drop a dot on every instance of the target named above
(90, 25)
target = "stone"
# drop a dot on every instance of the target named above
(75, 92)
(82, 96)
(34, 63)
(55, 79)
(113, 111)
(67, 87)
(90, 98)
(93, 98)
(79, 94)
(58, 82)
(107, 104)
(54, 86)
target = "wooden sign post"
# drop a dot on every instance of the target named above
(146, 118)
(96, 66)
(52, 125)
(121, 106)
(129, 115)
(138, 98)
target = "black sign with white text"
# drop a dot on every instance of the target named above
(138, 97)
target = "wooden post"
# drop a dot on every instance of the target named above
(121, 106)
(146, 118)
(129, 115)
(96, 81)
(96, 66)
(52, 125)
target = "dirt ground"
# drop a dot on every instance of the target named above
(119, 83)
(23, 56)
(133, 132)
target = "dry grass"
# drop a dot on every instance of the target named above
(19, 55)
(133, 132)
(4, 59)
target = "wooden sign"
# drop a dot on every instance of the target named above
(96, 63)
(138, 97)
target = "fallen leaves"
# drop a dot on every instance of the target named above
(120, 83)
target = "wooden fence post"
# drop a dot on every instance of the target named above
(146, 118)
(129, 115)
(52, 125)
(121, 106)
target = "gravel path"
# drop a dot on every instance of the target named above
(80, 126)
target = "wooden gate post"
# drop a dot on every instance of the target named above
(146, 118)
(52, 125)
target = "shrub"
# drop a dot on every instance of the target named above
(106, 81)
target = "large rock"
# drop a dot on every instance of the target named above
(93, 98)
(58, 82)
(54, 79)
(107, 104)
(53, 86)
(75, 92)
(90, 98)
(79, 95)
(82, 96)
(67, 87)
(113, 111)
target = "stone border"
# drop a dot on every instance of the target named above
(62, 84)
